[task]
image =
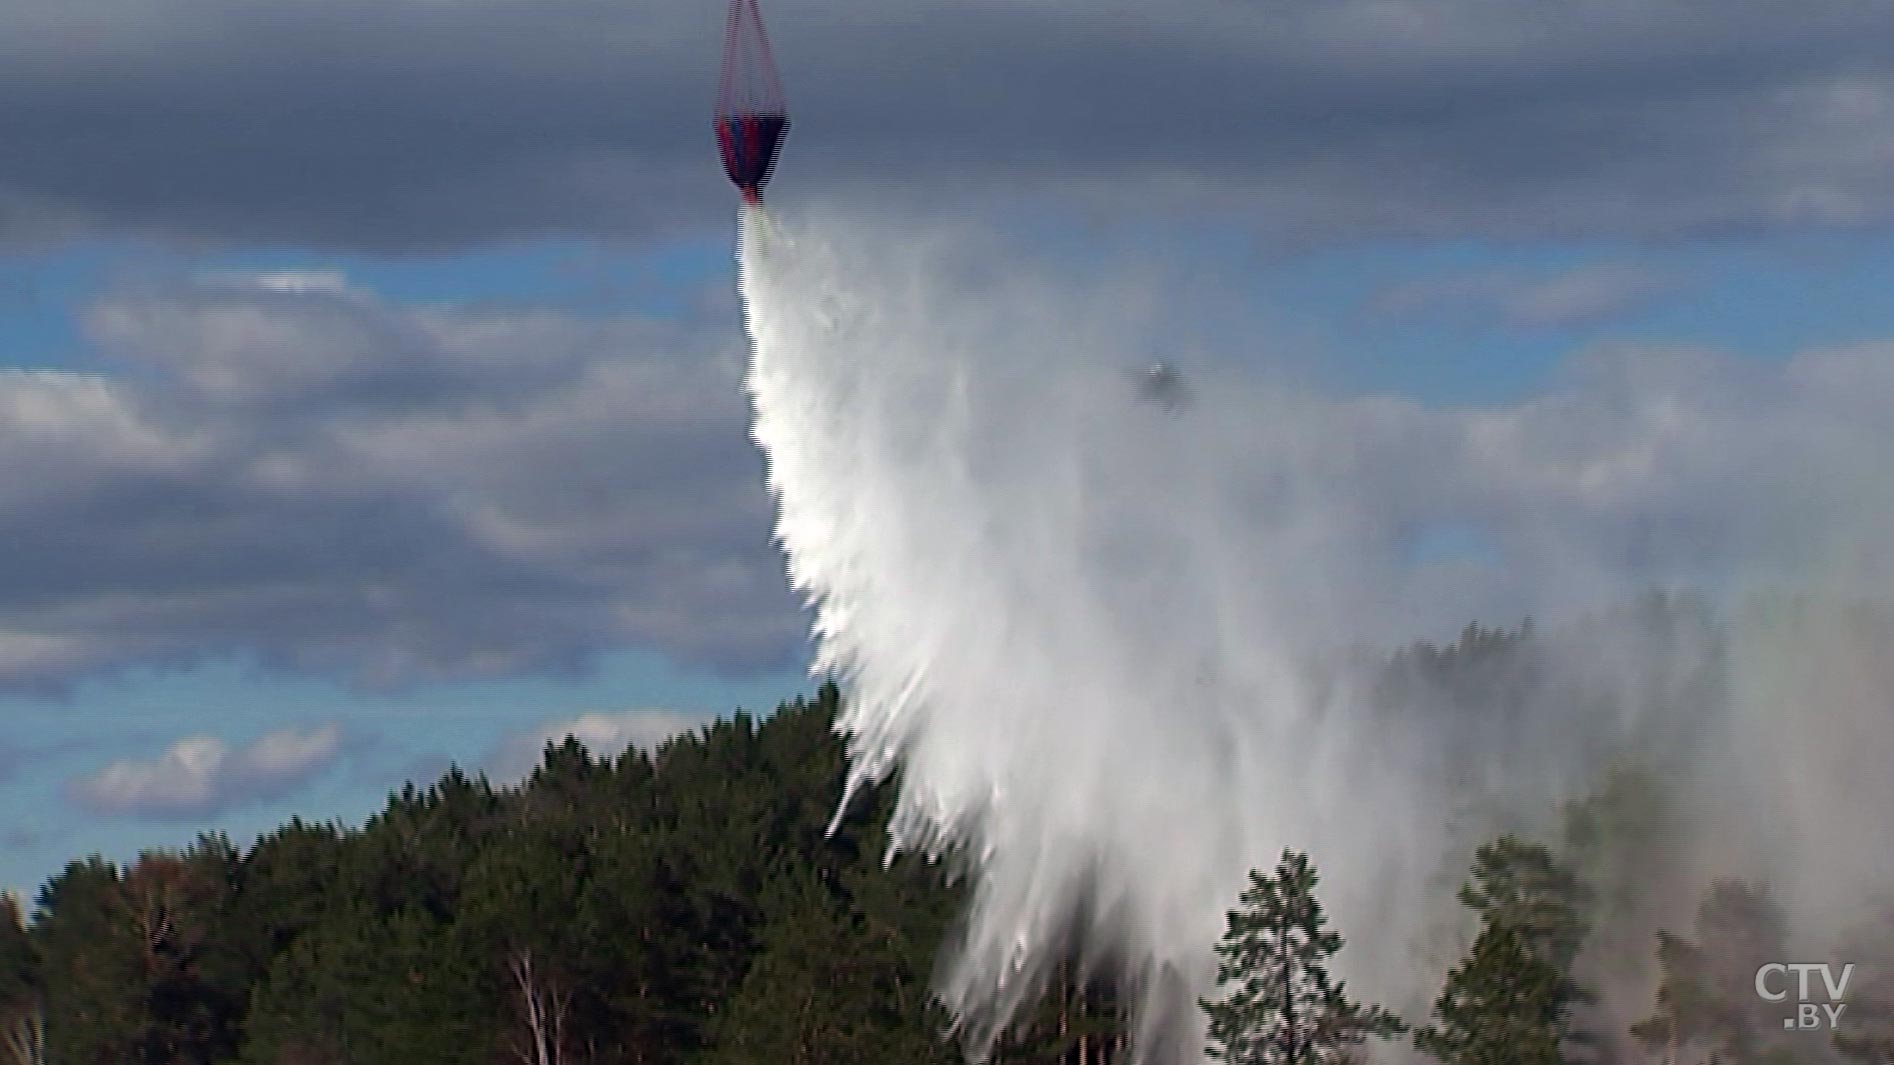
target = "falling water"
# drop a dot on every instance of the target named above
(1106, 640)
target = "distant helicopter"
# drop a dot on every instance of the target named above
(1162, 384)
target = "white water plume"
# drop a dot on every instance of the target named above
(1099, 636)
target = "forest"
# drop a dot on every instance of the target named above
(691, 905)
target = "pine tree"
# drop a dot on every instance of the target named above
(1504, 1005)
(1520, 885)
(90, 964)
(1511, 1000)
(1284, 1009)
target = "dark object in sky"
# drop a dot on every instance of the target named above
(1160, 383)
(751, 120)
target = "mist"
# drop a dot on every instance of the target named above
(1120, 652)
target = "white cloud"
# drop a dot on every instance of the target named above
(302, 473)
(606, 734)
(202, 775)
(289, 282)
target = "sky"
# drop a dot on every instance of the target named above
(370, 370)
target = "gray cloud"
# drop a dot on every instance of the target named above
(201, 775)
(294, 470)
(416, 123)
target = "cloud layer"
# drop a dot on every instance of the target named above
(202, 775)
(288, 469)
(398, 124)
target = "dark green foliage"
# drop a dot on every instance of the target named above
(379, 975)
(135, 968)
(1512, 1000)
(19, 959)
(92, 966)
(1519, 885)
(1505, 1004)
(687, 907)
(1282, 1007)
